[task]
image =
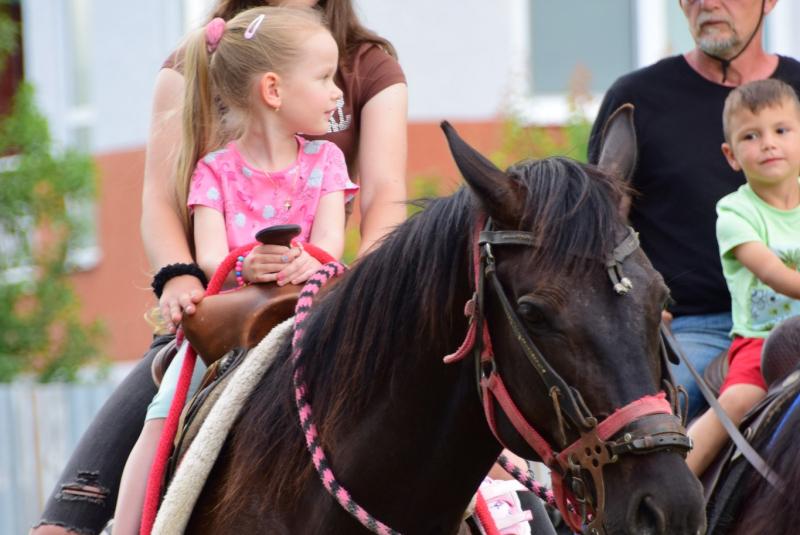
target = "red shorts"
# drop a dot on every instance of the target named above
(744, 363)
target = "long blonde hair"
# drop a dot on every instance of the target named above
(227, 74)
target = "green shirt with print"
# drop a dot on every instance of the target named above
(743, 217)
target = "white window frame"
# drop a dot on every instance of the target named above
(650, 29)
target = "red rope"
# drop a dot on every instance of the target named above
(165, 443)
(484, 516)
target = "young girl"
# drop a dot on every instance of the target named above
(273, 70)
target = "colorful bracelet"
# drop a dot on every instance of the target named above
(171, 271)
(239, 262)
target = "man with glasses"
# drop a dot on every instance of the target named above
(681, 172)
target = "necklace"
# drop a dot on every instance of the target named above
(288, 203)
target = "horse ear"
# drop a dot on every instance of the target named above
(618, 148)
(498, 192)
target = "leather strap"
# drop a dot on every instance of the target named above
(733, 431)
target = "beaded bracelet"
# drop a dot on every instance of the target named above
(171, 271)
(239, 262)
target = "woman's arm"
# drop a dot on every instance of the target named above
(762, 262)
(162, 231)
(382, 154)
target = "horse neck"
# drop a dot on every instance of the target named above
(422, 444)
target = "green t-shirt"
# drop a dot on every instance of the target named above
(743, 217)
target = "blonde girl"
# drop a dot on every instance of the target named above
(272, 70)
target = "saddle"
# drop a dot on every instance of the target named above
(723, 480)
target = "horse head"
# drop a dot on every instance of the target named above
(572, 352)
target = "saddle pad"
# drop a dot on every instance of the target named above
(199, 407)
(182, 494)
(722, 489)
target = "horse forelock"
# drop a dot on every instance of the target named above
(573, 210)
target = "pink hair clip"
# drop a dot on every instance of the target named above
(214, 31)
(253, 28)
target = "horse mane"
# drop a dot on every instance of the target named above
(765, 507)
(399, 307)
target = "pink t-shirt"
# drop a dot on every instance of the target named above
(250, 200)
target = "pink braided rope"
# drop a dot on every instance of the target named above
(531, 484)
(334, 488)
(342, 497)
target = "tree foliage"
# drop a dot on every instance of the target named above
(41, 331)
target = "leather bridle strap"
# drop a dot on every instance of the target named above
(747, 450)
(649, 422)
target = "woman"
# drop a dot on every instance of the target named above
(369, 127)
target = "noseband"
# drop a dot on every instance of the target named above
(647, 425)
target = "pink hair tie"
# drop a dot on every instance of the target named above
(214, 31)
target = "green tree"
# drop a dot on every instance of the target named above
(41, 331)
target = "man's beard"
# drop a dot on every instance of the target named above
(710, 43)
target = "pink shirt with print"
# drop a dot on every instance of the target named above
(249, 200)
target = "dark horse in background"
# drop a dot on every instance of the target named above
(744, 503)
(405, 433)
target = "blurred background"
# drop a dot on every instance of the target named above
(516, 77)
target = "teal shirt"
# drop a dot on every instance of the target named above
(743, 217)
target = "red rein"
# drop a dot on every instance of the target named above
(493, 388)
(164, 450)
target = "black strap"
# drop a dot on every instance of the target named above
(727, 62)
(747, 450)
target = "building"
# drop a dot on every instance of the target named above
(94, 64)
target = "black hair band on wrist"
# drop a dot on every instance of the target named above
(171, 271)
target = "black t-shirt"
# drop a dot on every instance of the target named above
(680, 174)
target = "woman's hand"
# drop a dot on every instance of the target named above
(180, 295)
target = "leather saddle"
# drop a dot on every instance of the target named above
(239, 319)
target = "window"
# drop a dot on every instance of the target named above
(582, 39)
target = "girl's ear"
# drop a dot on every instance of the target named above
(727, 150)
(270, 90)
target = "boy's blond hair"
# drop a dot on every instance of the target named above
(755, 96)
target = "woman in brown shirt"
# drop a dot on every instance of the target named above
(369, 127)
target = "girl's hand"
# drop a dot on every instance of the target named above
(265, 262)
(180, 294)
(300, 270)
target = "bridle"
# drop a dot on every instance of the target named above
(647, 425)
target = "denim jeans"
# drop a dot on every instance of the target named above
(85, 496)
(701, 337)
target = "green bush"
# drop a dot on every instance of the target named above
(41, 331)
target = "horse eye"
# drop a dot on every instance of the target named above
(530, 313)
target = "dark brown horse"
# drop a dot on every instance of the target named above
(405, 433)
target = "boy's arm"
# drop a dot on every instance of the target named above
(762, 262)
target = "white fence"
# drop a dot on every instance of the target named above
(40, 425)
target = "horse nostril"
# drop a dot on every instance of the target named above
(647, 518)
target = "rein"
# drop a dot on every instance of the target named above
(650, 423)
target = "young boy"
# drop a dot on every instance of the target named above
(758, 230)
